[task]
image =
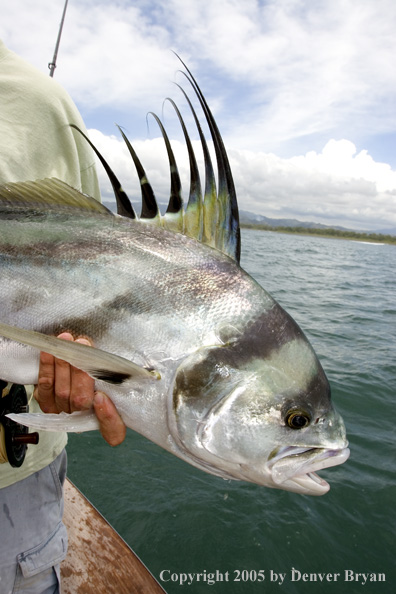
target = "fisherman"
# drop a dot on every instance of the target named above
(37, 142)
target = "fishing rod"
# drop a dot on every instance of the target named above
(52, 65)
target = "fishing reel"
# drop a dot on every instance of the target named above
(14, 438)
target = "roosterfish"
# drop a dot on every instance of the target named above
(193, 352)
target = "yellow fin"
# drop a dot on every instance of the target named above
(46, 194)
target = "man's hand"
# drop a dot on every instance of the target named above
(63, 388)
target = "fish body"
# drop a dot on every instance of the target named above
(231, 361)
(195, 355)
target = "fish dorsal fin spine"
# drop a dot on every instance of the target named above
(174, 216)
(228, 238)
(124, 205)
(212, 219)
(150, 208)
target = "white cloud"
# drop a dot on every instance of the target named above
(299, 67)
(341, 160)
(336, 186)
(283, 79)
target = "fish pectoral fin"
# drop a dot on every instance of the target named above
(75, 422)
(97, 363)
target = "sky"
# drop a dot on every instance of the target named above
(303, 91)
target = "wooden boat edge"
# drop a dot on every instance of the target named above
(99, 560)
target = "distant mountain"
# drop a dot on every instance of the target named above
(251, 218)
(255, 219)
(391, 231)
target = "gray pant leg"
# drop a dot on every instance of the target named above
(33, 540)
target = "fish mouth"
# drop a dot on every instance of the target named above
(294, 468)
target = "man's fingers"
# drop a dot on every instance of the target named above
(53, 386)
(82, 386)
(62, 386)
(112, 426)
(44, 391)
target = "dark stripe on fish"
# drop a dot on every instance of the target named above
(110, 377)
(96, 323)
(53, 253)
(203, 378)
(265, 335)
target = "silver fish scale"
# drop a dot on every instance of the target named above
(114, 277)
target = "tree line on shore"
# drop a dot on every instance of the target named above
(327, 232)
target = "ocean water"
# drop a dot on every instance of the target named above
(243, 538)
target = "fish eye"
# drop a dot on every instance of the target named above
(297, 419)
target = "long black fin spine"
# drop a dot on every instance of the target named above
(193, 215)
(150, 208)
(213, 220)
(173, 219)
(210, 204)
(175, 200)
(227, 233)
(124, 206)
(227, 194)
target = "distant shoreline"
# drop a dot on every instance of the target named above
(331, 233)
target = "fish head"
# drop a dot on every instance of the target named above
(258, 408)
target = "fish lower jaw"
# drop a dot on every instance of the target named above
(296, 471)
(306, 484)
(317, 479)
